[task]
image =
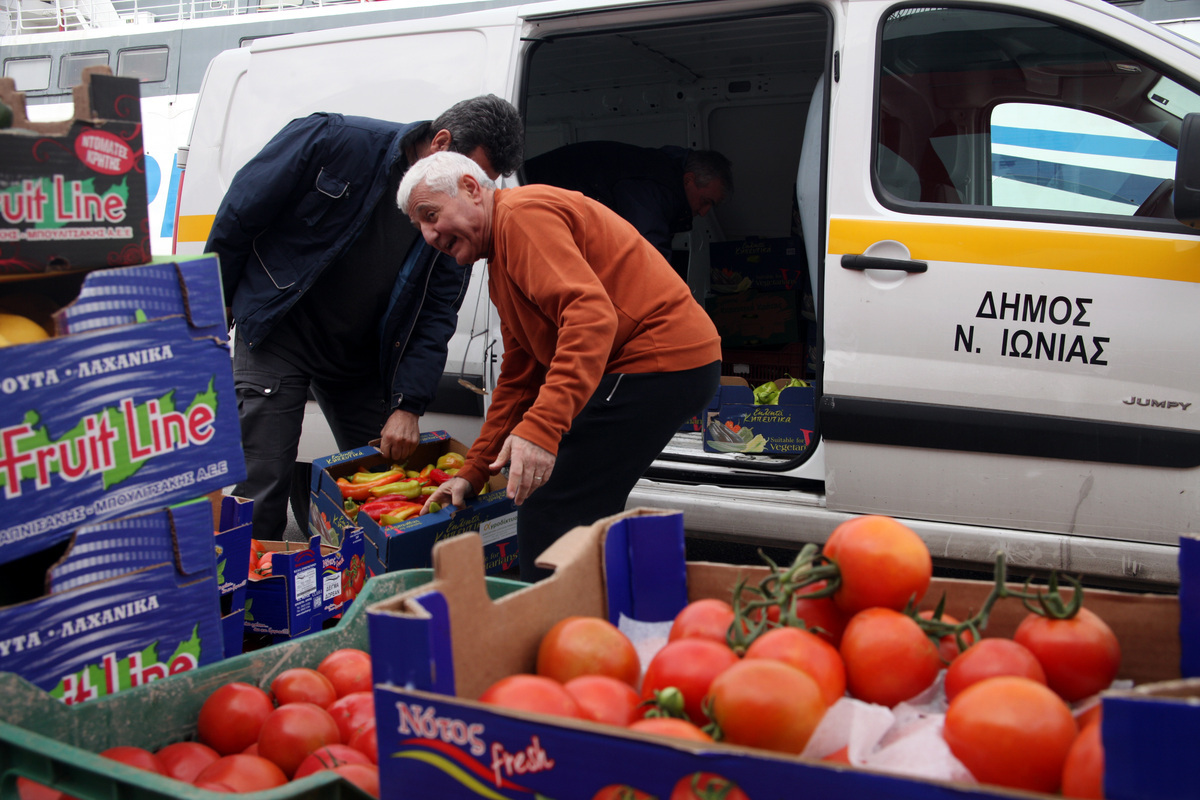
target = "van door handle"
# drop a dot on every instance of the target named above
(873, 262)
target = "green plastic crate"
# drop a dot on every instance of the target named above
(57, 745)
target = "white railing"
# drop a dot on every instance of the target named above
(41, 16)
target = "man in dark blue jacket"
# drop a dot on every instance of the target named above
(657, 189)
(332, 290)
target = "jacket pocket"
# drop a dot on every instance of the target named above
(327, 190)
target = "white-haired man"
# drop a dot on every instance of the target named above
(606, 353)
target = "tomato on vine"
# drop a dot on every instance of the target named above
(579, 645)
(688, 665)
(706, 786)
(1080, 654)
(880, 562)
(888, 658)
(766, 703)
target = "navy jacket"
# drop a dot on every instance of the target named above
(292, 211)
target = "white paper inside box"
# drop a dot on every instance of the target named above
(447, 642)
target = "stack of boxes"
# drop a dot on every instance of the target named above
(118, 420)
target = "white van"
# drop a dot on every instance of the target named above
(1006, 312)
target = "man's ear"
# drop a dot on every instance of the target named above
(441, 141)
(469, 184)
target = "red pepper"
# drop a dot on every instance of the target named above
(377, 508)
(437, 477)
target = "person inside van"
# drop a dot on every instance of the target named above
(332, 289)
(658, 189)
(606, 353)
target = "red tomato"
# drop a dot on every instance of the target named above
(32, 790)
(184, 760)
(1083, 770)
(252, 750)
(689, 665)
(821, 615)
(988, 658)
(1081, 655)
(303, 685)
(709, 618)
(364, 776)
(348, 669)
(620, 791)
(263, 568)
(888, 658)
(240, 773)
(881, 562)
(704, 786)
(603, 698)
(328, 757)
(948, 645)
(366, 742)
(293, 731)
(765, 703)
(136, 757)
(839, 756)
(256, 551)
(587, 646)
(352, 712)
(535, 693)
(1012, 732)
(670, 726)
(231, 717)
(807, 652)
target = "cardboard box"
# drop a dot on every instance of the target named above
(234, 530)
(754, 318)
(131, 600)
(435, 649)
(309, 584)
(739, 425)
(75, 189)
(756, 263)
(408, 544)
(117, 415)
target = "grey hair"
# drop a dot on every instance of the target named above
(440, 172)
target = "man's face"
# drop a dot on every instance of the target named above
(702, 198)
(457, 225)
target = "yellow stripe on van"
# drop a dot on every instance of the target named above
(194, 228)
(1106, 253)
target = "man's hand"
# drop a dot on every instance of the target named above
(401, 435)
(529, 467)
(454, 492)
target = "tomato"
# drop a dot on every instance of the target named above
(881, 563)
(32, 790)
(256, 552)
(705, 786)
(1011, 731)
(293, 731)
(888, 658)
(240, 773)
(1083, 770)
(765, 703)
(303, 685)
(709, 618)
(263, 568)
(948, 647)
(535, 693)
(1081, 655)
(252, 750)
(364, 776)
(352, 712)
(183, 761)
(620, 791)
(603, 698)
(670, 726)
(839, 756)
(807, 652)
(689, 665)
(988, 658)
(328, 757)
(348, 669)
(821, 615)
(231, 717)
(136, 757)
(587, 646)
(366, 742)
(358, 575)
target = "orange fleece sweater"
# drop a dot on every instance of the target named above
(581, 294)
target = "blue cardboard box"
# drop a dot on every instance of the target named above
(233, 533)
(115, 415)
(131, 600)
(755, 318)
(755, 262)
(409, 544)
(438, 647)
(739, 425)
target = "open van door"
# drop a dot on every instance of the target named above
(1009, 313)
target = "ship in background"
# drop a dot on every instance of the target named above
(46, 44)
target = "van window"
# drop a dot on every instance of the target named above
(1030, 117)
(71, 72)
(147, 64)
(29, 74)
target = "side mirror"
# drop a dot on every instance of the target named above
(1187, 173)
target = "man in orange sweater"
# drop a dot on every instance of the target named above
(606, 353)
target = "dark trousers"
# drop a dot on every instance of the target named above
(624, 426)
(272, 393)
